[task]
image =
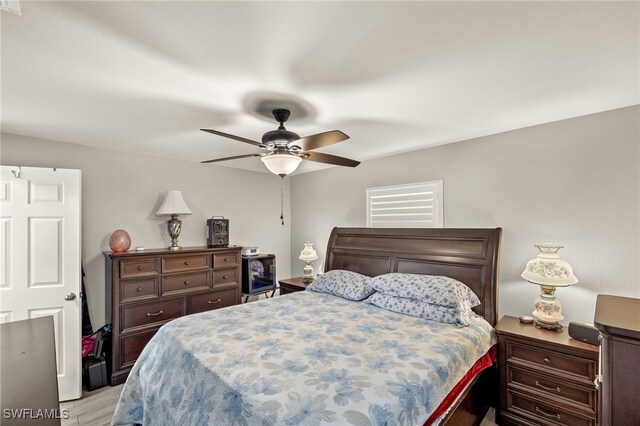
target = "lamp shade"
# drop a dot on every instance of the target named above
(281, 164)
(308, 254)
(173, 204)
(548, 269)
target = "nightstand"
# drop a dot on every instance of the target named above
(546, 377)
(291, 285)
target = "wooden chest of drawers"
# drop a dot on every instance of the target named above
(546, 378)
(147, 289)
(618, 319)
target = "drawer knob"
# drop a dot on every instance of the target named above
(187, 283)
(139, 289)
(226, 259)
(155, 314)
(550, 389)
(140, 268)
(186, 262)
(224, 277)
(544, 413)
(547, 360)
(213, 302)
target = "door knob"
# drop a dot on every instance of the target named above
(70, 296)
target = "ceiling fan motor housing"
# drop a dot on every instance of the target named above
(281, 136)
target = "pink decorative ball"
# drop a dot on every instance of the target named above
(120, 241)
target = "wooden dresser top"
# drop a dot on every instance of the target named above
(511, 326)
(618, 315)
(159, 251)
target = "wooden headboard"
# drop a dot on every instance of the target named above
(468, 255)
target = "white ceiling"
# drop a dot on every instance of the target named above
(395, 76)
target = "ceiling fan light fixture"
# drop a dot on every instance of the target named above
(281, 164)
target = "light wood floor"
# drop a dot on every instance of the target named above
(96, 408)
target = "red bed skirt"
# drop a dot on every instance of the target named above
(479, 366)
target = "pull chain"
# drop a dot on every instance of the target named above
(282, 201)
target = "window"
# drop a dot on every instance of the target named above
(413, 205)
(12, 6)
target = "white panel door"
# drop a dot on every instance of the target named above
(40, 270)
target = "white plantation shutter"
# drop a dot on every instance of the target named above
(413, 205)
(12, 6)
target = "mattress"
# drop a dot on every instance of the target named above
(304, 358)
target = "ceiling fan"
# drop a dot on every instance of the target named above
(283, 151)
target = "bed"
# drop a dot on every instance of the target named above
(312, 358)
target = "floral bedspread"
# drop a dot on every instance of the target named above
(301, 359)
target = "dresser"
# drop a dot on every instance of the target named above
(618, 320)
(546, 377)
(147, 289)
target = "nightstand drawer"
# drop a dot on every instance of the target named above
(285, 289)
(553, 388)
(292, 285)
(541, 413)
(550, 361)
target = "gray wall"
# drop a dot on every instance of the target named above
(123, 190)
(574, 182)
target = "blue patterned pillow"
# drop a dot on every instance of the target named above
(347, 284)
(457, 316)
(434, 289)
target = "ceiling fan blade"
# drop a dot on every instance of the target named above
(320, 139)
(234, 137)
(235, 157)
(319, 157)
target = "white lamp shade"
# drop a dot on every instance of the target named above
(173, 204)
(548, 269)
(281, 164)
(308, 254)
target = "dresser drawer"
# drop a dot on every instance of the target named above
(223, 259)
(212, 300)
(223, 276)
(132, 345)
(131, 291)
(151, 313)
(185, 263)
(541, 413)
(580, 369)
(186, 282)
(554, 388)
(139, 268)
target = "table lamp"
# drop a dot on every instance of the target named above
(173, 205)
(548, 271)
(308, 255)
